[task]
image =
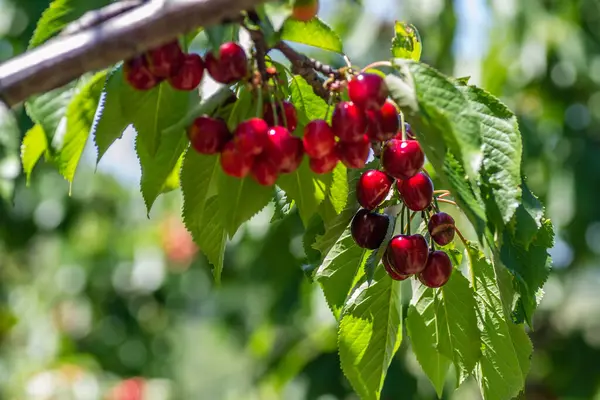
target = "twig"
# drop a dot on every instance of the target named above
(96, 17)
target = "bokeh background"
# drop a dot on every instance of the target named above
(99, 302)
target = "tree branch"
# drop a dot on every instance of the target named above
(149, 25)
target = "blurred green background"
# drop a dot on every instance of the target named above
(99, 302)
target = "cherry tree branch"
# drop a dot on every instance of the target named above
(123, 36)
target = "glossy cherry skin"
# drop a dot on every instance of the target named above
(354, 155)
(293, 159)
(383, 123)
(407, 254)
(372, 188)
(230, 66)
(441, 227)
(367, 91)
(263, 172)
(324, 164)
(305, 10)
(368, 229)
(190, 74)
(165, 61)
(437, 270)
(390, 270)
(208, 135)
(291, 117)
(417, 192)
(283, 150)
(402, 158)
(138, 75)
(251, 136)
(348, 122)
(233, 162)
(318, 139)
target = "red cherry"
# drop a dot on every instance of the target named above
(437, 270)
(441, 227)
(190, 74)
(402, 158)
(293, 159)
(410, 134)
(305, 10)
(291, 117)
(383, 123)
(319, 139)
(348, 122)
(407, 254)
(324, 164)
(138, 75)
(263, 172)
(251, 136)
(230, 66)
(165, 61)
(417, 192)
(372, 188)
(390, 270)
(233, 162)
(282, 149)
(369, 228)
(354, 155)
(208, 135)
(367, 91)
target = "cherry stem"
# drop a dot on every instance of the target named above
(441, 191)
(259, 103)
(460, 235)
(347, 61)
(402, 217)
(447, 201)
(329, 105)
(273, 107)
(377, 64)
(441, 196)
(402, 125)
(281, 108)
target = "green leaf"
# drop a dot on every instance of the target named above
(313, 33)
(211, 235)
(283, 205)
(315, 227)
(528, 218)
(370, 333)
(309, 106)
(406, 42)
(10, 136)
(306, 188)
(33, 147)
(338, 191)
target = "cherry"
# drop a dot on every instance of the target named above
(402, 158)
(324, 164)
(291, 117)
(407, 254)
(190, 74)
(354, 155)
(390, 270)
(372, 188)
(319, 139)
(233, 162)
(138, 75)
(263, 172)
(305, 10)
(383, 123)
(294, 157)
(208, 135)
(437, 271)
(417, 192)
(230, 66)
(410, 134)
(282, 149)
(369, 228)
(348, 122)
(165, 61)
(441, 228)
(251, 136)
(367, 91)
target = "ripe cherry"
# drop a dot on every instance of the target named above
(282, 149)
(441, 228)
(293, 159)
(208, 135)
(324, 164)
(305, 10)
(165, 61)
(348, 122)
(138, 75)
(383, 123)
(407, 254)
(437, 271)
(251, 136)
(367, 91)
(372, 188)
(230, 66)
(402, 158)
(369, 228)
(390, 270)
(190, 74)
(417, 192)
(354, 155)
(318, 139)
(291, 117)
(233, 162)
(263, 172)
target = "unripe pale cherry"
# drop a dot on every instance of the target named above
(437, 270)
(407, 254)
(305, 10)
(367, 91)
(416, 192)
(372, 188)
(318, 139)
(348, 122)
(165, 61)
(208, 135)
(369, 228)
(190, 73)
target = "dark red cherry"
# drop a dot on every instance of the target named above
(372, 188)
(390, 270)
(282, 149)
(354, 155)
(369, 228)
(383, 123)
(402, 158)
(324, 164)
(348, 122)
(190, 74)
(407, 254)
(441, 228)
(165, 61)
(208, 135)
(437, 270)
(251, 136)
(233, 162)
(138, 75)
(417, 192)
(294, 156)
(285, 108)
(318, 139)
(263, 172)
(368, 91)
(230, 65)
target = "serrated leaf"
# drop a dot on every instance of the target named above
(33, 147)
(375, 257)
(313, 33)
(528, 218)
(370, 333)
(283, 205)
(308, 105)
(306, 188)
(315, 227)
(406, 42)
(211, 235)
(338, 191)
